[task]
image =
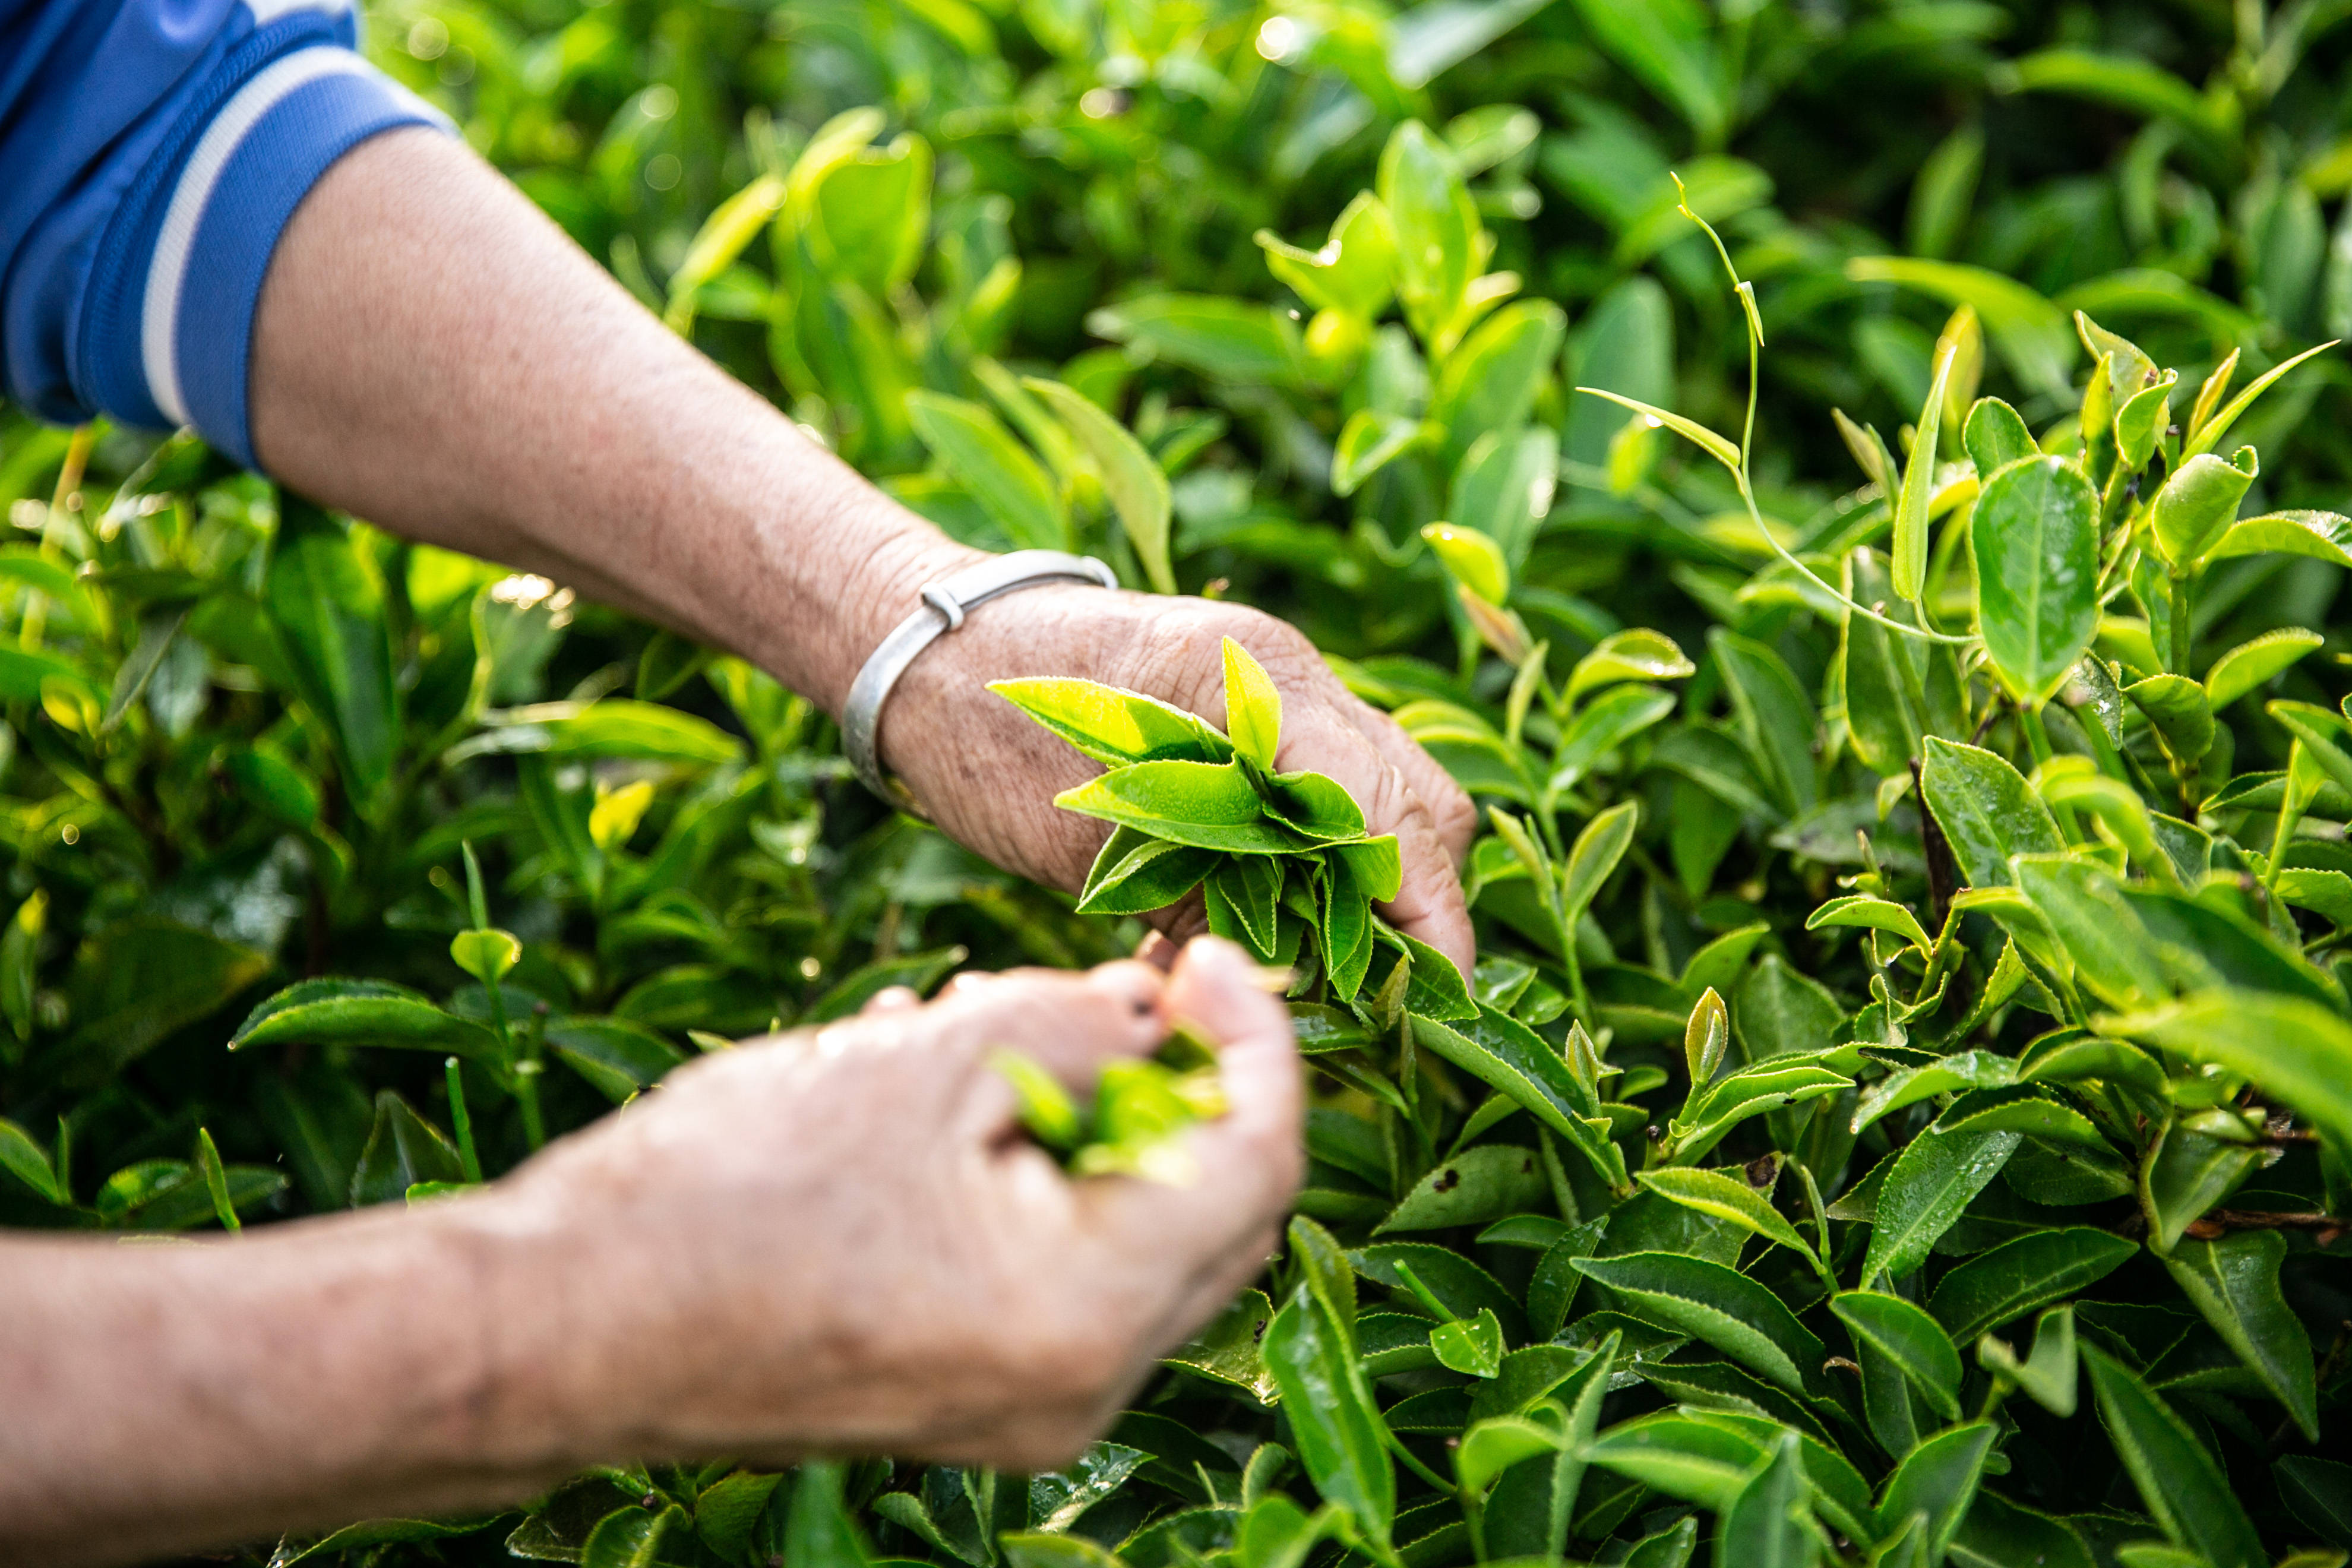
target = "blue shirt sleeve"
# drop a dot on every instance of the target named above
(153, 151)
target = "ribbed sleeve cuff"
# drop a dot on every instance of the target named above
(254, 161)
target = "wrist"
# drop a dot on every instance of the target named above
(882, 585)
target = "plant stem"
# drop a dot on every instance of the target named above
(2180, 634)
(1412, 1462)
(467, 1159)
(69, 476)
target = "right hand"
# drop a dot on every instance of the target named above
(839, 1242)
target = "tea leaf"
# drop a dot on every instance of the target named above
(1337, 1427)
(973, 446)
(1987, 811)
(2009, 1280)
(1137, 490)
(1912, 1339)
(1938, 1479)
(2234, 1281)
(1910, 549)
(1935, 1176)
(2182, 1487)
(2033, 535)
(1766, 1526)
(1726, 1197)
(1718, 1305)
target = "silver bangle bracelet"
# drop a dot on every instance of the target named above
(945, 605)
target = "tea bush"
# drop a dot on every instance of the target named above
(1901, 1114)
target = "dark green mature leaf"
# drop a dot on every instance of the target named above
(1776, 719)
(1511, 1058)
(1681, 1455)
(362, 1013)
(1461, 1286)
(1473, 1186)
(1938, 1478)
(1907, 1336)
(2318, 1492)
(1898, 690)
(1551, 1291)
(631, 1537)
(619, 1057)
(2188, 1170)
(2049, 1372)
(1726, 1197)
(1766, 1526)
(2180, 1483)
(1530, 1510)
(1998, 1534)
(1338, 1427)
(2234, 1281)
(1718, 1305)
(1936, 1176)
(402, 1150)
(139, 980)
(2034, 536)
(1986, 810)
(2015, 1277)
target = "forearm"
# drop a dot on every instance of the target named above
(434, 355)
(162, 1396)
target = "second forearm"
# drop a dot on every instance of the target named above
(433, 354)
(225, 1391)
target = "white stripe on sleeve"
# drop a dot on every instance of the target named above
(167, 269)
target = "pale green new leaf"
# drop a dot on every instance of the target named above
(1136, 486)
(1707, 440)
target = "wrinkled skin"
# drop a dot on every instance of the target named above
(833, 1242)
(853, 1248)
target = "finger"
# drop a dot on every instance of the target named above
(1249, 1161)
(1450, 808)
(1428, 904)
(892, 999)
(1070, 1024)
(1156, 950)
(1136, 983)
(1180, 921)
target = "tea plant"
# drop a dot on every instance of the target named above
(1922, 991)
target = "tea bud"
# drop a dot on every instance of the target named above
(2198, 503)
(1474, 560)
(1705, 1039)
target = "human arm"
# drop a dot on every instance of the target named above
(434, 355)
(836, 1243)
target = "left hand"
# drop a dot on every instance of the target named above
(988, 775)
